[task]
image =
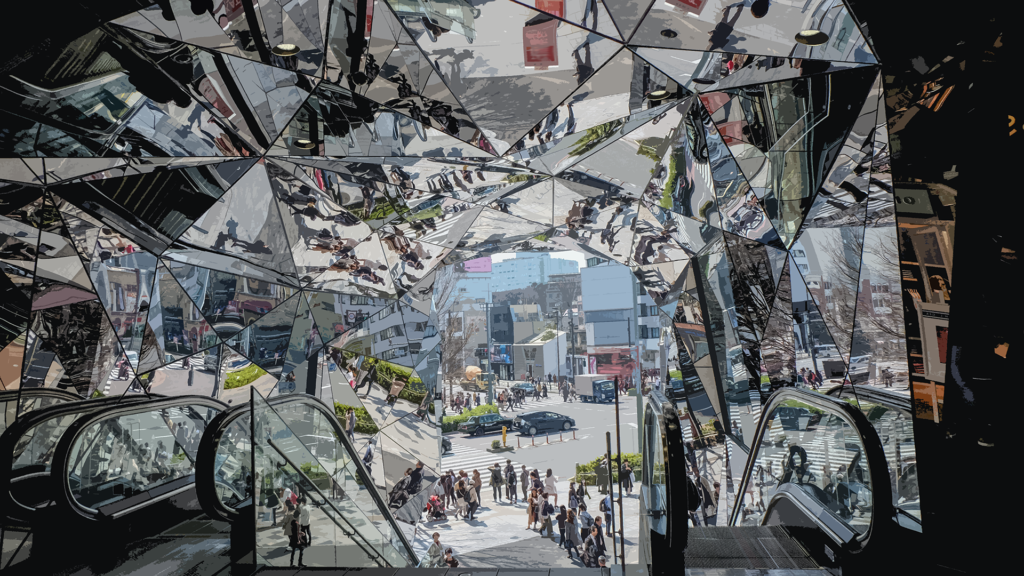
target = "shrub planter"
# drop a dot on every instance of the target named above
(497, 450)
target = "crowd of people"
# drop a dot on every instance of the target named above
(578, 530)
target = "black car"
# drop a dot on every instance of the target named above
(479, 425)
(446, 445)
(531, 423)
(525, 386)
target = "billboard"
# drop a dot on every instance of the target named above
(501, 354)
(476, 265)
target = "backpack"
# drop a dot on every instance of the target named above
(549, 509)
(604, 506)
(512, 478)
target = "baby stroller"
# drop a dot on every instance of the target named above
(435, 509)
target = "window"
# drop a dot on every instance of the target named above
(803, 268)
(391, 332)
(360, 300)
(415, 347)
(603, 358)
(799, 253)
(643, 311)
(654, 310)
(393, 353)
(388, 311)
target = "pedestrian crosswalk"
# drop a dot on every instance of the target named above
(469, 459)
(529, 405)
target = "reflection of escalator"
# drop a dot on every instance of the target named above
(301, 446)
(807, 497)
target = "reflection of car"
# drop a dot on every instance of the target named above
(479, 425)
(826, 351)
(859, 363)
(790, 416)
(446, 445)
(133, 357)
(529, 388)
(532, 422)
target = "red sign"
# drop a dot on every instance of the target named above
(369, 17)
(553, 7)
(539, 45)
(732, 131)
(714, 100)
(691, 6)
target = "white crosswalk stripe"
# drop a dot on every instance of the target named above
(469, 459)
(530, 405)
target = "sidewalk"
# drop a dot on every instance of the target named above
(499, 538)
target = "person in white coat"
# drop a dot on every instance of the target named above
(549, 485)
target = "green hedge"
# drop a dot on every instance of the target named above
(244, 376)
(451, 423)
(364, 423)
(587, 470)
(677, 374)
(414, 389)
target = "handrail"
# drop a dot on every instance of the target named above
(9, 439)
(206, 456)
(299, 471)
(40, 392)
(875, 456)
(62, 454)
(871, 394)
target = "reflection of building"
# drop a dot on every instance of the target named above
(610, 293)
(527, 268)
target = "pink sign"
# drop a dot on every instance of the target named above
(539, 45)
(478, 265)
(554, 7)
(691, 6)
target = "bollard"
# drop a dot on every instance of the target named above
(518, 443)
(548, 439)
(531, 441)
(560, 437)
(573, 434)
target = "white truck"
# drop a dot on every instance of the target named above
(595, 387)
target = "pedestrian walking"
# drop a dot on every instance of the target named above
(511, 479)
(273, 502)
(586, 521)
(350, 424)
(304, 521)
(435, 552)
(561, 518)
(449, 488)
(550, 485)
(582, 492)
(572, 530)
(627, 478)
(606, 508)
(591, 548)
(462, 492)
(546, 513)
(296, 538)
(524, 478)
(600, 536)
(574, 499)
(497, 482)
(531, 510)
(478, 485)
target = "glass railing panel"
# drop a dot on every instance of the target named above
(343, 534)
(233, 460)
(818, 451)
(896, 431)
(124, 455)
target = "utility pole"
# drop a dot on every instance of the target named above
(487, 354)
(572, 363)
(558, 354)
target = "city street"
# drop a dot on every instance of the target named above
(592, 421)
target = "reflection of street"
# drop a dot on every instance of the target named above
(264, 385)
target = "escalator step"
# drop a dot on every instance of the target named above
(778, 555)
(755, 554)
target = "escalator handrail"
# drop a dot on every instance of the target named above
(207, 452)
(63, 496)
(872, 395)
(873, 452)
(9, 439)
(376, 555)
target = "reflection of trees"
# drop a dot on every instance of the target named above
(885, 248)
(752, 284)
(595, 137)
(454, 336)
(841, 255)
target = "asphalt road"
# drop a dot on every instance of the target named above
(592, 422)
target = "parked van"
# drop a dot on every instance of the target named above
(826, 351)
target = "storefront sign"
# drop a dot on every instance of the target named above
(692, 6)
(540, 46)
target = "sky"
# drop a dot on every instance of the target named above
(565, 255)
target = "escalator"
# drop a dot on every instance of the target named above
(810, 496)
(15, 403)
(299, 446)
(27, 447)
(129, 456)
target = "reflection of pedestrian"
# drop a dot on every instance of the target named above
(722, 33)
